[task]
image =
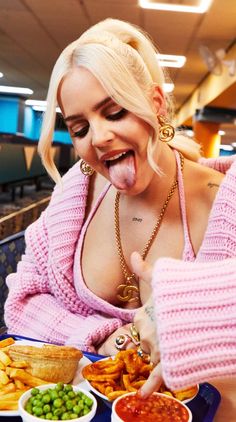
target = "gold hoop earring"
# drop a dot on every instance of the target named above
(85, 168)
(166, 130)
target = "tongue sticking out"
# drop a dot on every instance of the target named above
(122, 172)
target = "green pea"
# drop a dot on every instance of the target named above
(38, 411)
(71, 394)
(65, 397)
(54, 418)
(77, 409)
(46, 398)
(34, 391)
(88, 401)
(59, 386)
(61, 393)
(69, 405)
(57, 412)
(68, 387)
(53, 394)
(46, 408)
(73, 416)
(86, 410)
(65, 416)
(49, 415)
(57, 403)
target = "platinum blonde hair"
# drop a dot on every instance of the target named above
(123, 58)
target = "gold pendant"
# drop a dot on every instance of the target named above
(128, 292)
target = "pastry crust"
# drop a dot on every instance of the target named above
(50, 362)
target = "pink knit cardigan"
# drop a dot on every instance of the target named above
(44, 304)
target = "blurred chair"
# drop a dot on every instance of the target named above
(11, 250)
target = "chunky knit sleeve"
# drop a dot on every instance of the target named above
(42, 301)
(195, 307)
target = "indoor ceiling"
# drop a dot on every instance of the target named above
(33, 33)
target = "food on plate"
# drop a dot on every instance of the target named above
(60, 401)
(116, 376)
(49, 362)
(14, 380)
(156, 408)
(126, 372)
(23, 367)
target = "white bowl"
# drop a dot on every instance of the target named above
(116, 418)
(27, 417)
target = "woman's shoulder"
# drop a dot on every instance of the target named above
(202, 183)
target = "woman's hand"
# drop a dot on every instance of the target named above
(145, 323)
(107, 348)
(153, 382)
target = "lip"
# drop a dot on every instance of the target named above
(111, 154)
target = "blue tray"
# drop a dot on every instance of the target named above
(203, 406)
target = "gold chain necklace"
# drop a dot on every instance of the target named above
(128, 291)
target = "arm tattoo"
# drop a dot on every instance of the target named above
(149, 310)
(212, 185)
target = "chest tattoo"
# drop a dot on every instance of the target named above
(139, 220)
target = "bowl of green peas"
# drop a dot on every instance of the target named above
(62, 402)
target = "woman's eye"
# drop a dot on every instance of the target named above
(118, 115)
(81, 133)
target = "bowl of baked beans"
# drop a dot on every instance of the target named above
(156, 408)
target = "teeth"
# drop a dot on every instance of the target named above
(116, 156)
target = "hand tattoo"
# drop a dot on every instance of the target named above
(149, 310)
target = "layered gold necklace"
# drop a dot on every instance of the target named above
(129, 291)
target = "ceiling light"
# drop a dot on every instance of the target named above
(36, 102)
(202, 7)
(168, 87)
(15, 90)
(1, 74)
(43, 108)
(171, 60)
(221, 132)
(226, 147)
(233, 144)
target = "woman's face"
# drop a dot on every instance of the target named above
(112, 140)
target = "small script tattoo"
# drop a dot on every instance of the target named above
(139, 220)
(150, 312)
(212, 185)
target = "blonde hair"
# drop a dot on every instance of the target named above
(123, 58)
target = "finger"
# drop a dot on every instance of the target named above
(153, 382)
(141, 268)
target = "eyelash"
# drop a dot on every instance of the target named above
(112, 117)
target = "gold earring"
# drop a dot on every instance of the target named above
(85, 168)
(166, 130)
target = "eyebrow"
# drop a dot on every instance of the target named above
(95, 108)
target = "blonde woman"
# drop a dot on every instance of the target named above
(136, 187)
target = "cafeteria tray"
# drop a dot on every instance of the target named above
(203, 406)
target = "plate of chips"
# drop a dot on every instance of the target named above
(123, 373)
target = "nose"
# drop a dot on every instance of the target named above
(101, 134)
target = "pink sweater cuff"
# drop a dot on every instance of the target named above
(196, 319)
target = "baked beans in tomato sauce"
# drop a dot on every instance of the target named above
(155, 408)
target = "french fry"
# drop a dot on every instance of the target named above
(19, 364)
(4, 379)
(7, 342)
(9, 404)
(19, 385)
(26, 378)
(8, 388)
(4, 358)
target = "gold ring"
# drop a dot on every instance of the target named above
(122, 340)
(144, 356)
(135, 335)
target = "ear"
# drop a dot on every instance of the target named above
(158, 99)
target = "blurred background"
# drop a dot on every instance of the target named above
(196, 42)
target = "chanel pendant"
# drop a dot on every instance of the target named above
(128, 292)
